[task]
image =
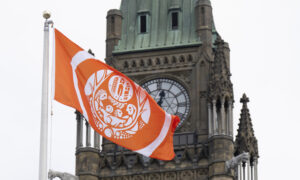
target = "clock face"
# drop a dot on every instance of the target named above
(170, 95)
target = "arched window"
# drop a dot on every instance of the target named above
(181, 59)
(157, 61)
(190, 58)
(166, 61)
(126, 65)
(226, 105)
(142, 64)
(227, 116)
(218, 108)
(174, 60)
(133, 64)
(149, 62)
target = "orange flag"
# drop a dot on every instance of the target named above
(115, 106)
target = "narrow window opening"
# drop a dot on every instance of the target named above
(203, 15)
(218, 106)
(126, 65)
(181, 59)
(149, 62)
(226, 105)
(166, 61)
(157, 61)
(133, 64)
(143, 23)
(142, 64)
(112, 24)
(174, 59)
(174, 20)
(190, 58)
(227, 118)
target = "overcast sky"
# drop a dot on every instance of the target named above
(265, 63)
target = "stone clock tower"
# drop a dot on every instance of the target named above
(172, 49)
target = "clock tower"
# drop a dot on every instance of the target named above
(173, 50)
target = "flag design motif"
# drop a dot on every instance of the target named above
(115, 106)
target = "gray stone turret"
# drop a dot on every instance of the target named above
(204, 21)
(220, 92)
(113, 31)
(220, 108)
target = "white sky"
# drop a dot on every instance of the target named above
(265, 63)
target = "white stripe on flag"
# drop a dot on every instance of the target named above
(79, 58)
(76, 60)
(148, 150)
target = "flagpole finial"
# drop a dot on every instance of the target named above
(46, 14)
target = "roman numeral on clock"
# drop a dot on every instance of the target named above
(178, 94)
(182, 104)
(159, 85)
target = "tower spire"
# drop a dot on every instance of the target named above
(245, 139)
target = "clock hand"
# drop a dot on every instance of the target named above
(162, 94)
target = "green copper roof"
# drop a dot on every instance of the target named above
(159, 32)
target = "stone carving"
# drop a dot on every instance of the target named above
(146, 161)
(170, 176)
(202, 173)
(235, 161)
(130, 160)
(114, 161)
(62, 175)
(138, 177)
(154, 176)
(187, 175)
(133, 65)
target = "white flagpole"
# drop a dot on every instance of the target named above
(44, 114)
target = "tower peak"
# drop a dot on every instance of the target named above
(245, 139)
(244, 99)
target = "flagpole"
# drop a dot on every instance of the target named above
(44, 114)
